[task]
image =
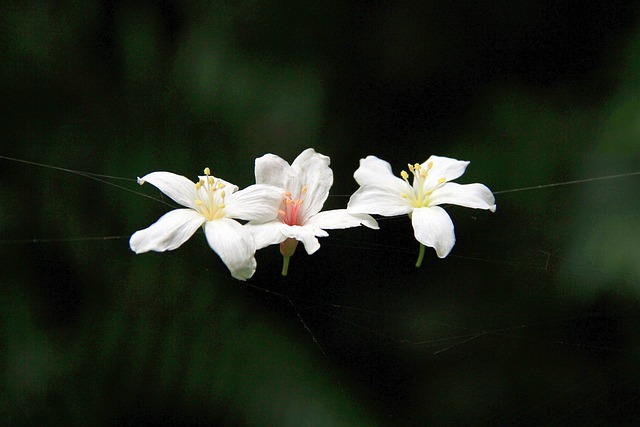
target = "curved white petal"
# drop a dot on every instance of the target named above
(305, 156)
(339, 219)
(443, 167)
(258, 202)
(178, 187)
(432, 227)
(379, 201)
(313, 172)
(233, 243)
(476, 196)
(273, 170)
(376, 172)
(266, 233)
(169, 232)
(306, 234)
(371, 169)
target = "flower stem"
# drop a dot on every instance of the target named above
(285, 265)
(420, 256)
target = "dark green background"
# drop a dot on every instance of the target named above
(532, 320)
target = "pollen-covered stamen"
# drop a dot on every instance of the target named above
(210, 201)
(291, 208)
(420, 195)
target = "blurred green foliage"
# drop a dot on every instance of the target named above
(531, 320)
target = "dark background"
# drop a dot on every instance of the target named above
(532, 320)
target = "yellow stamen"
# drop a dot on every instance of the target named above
(212, 206)
(420, 194)
(304, 190)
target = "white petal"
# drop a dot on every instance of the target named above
(313, 172)
(169, 232)
(432, 227)
(371, 169)
(374, 172)
(305, 234)
(379, 201)
(305, 156)
(258, 202)
(178, 187)
(266, 233)
(273, 170)
(377, 173)
(443, 167)
(339, 219)
(469, 195)
(233, 243)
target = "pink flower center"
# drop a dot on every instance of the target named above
(291, 208)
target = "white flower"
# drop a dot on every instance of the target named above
(307, 182)
(211, 202)
(384, 194)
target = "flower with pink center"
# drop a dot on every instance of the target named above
(307, 182)
(289, 211)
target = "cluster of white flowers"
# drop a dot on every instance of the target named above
(284, 207)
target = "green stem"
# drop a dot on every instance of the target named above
(285, 265)
(420, 256)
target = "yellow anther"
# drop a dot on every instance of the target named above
(423, 173)
(221, 206)
(210, 180)
(198, 185)
(287, 194)
(207, 171)
(441, 181)
(304, 190)
(199, 202)
(404, 175)
(417, 166)
(410, 167)
(222, 194)
(220, 184)
(404, 195)
(281, 212)
(429, 165)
